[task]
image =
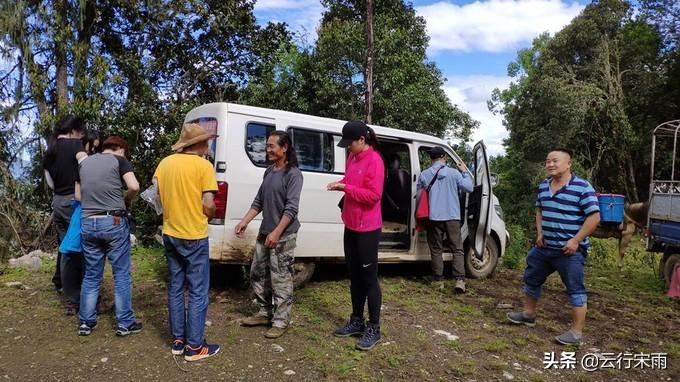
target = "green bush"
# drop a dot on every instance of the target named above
(518, 247)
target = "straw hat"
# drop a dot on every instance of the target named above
(191, 134)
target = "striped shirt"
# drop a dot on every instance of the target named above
(563, 213)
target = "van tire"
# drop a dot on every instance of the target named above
(667, 265)
(475, 269)
(302, 272)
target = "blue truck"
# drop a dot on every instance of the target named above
(663, 219)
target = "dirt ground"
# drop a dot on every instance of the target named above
(628, 313)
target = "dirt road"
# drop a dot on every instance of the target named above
(429, 334)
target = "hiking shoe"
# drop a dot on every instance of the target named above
(275, 332)
(135, 327)
(519, 318)
(370, 338)
(256, 320)
(71, 310)
(569, 338)
(86, 329)
(192, 354)
(178, 346)
(354, 327)
(460, 286)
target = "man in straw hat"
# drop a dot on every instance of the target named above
(186, 183)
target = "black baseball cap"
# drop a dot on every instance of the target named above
(436, 152)
(352, 131)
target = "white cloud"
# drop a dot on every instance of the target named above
(283, 4)
(470, 94)
(494, 25)
(302, 16)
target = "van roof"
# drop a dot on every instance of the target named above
(379, 130)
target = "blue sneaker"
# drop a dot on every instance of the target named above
(206, 350)
(178, 346)
(86, 329)
(135, 327)
(354, 327)
(370, 338)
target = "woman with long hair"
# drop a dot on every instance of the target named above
(361, 213)
(92, 142)
(61, 165)
(271, 272)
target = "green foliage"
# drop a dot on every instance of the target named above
(602, 252)
(328, 79)
(517, 249)
(599, 86)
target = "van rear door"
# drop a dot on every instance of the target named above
(479, 205)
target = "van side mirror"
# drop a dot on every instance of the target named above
(494, 179)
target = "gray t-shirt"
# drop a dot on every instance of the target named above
(279, 195)
(101, 183)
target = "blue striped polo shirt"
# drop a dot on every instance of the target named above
(564, 213)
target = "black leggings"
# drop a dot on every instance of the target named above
(361, 256)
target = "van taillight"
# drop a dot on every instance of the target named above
(221, 201)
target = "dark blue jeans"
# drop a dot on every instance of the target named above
(106, 237)
(188, 263)
(542, 262)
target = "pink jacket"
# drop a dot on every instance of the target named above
(364, 179)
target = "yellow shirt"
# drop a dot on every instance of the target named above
(182, 180)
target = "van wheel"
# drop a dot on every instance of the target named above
(303, 272)
(478, 269)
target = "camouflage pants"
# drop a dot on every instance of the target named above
(271, 276)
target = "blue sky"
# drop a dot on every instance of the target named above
(472, 43)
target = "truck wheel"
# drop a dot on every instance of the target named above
(668, 266)
(303, 271)
(477, 269)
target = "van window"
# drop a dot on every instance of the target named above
(208, 124)
(256, 142)
(315, 149)
(426, 162)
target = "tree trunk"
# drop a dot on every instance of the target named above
(60, 60)
(634, 196)
(82, 49)
(369, 61)
(35, 72)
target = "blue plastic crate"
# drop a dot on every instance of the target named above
(611, 208)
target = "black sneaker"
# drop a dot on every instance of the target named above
(71, 309)
(135, 327)
(86, 329)
(370, 338)
(354, 327)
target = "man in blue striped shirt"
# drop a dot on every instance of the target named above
(567, 211)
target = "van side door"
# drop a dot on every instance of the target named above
(479, 205)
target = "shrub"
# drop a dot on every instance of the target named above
(518, 247)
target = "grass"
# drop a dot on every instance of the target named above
(496, 346)
(673, 349)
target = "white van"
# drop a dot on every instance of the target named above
(240, 161)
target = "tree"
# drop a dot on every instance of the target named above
(129, 68)
(598, 86)
(407, 86)
(370, 51)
